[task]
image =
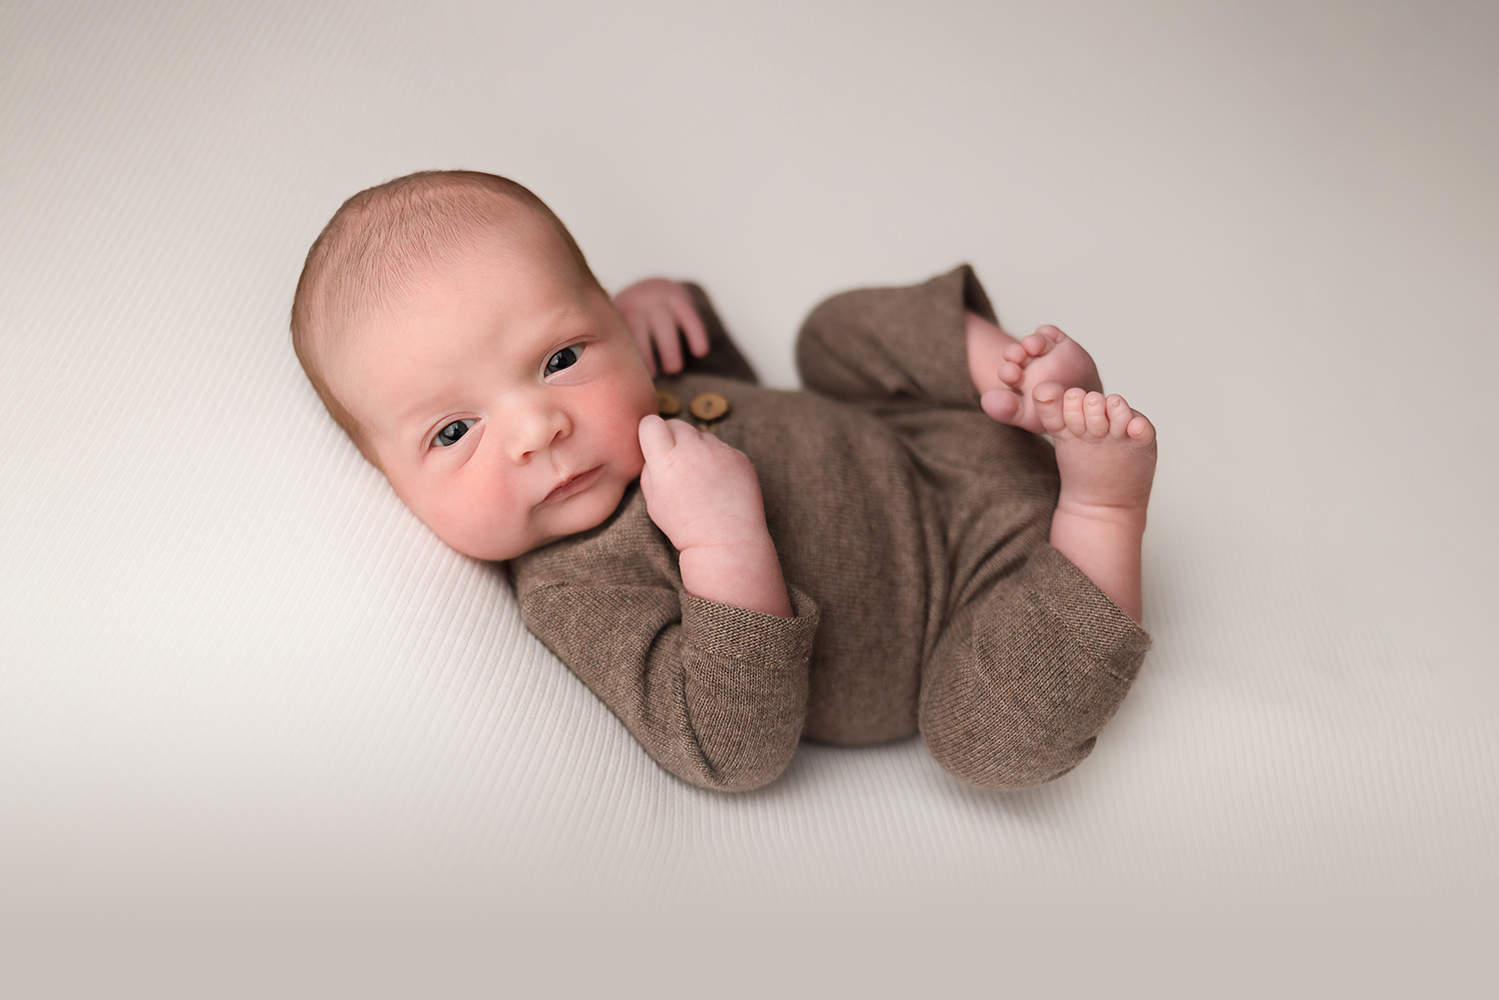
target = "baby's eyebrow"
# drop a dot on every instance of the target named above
(540, 342)
(411, 415)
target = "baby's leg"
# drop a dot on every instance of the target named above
(1106, 455)
(1106, 452)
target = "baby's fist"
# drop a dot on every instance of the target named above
(698, 490)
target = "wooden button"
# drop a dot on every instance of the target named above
(709, 406)
(667, 403)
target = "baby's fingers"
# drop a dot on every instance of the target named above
(668, 345)
(655, 437)
(659, 436)
(692, 326)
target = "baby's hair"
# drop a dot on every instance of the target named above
(380, 240)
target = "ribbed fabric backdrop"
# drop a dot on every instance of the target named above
(260, 731)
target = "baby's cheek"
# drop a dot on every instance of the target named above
(498, 527)
(463, 515)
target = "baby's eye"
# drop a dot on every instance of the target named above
(446, 438)
(574, 349)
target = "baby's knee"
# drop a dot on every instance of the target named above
(825, 350)
(982, 746)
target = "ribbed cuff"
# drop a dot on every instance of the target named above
(1098, 627)
(751, 636)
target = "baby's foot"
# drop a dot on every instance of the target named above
(1105, 451)
(1021, 365)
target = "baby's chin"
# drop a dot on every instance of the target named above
(580, 518)
(500, 553)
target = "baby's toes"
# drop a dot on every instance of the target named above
(1072, 410)
(1140, 429)
(1094, 415)
(1044, 339)
(1036, 345)
(1048, 406)
(1119, 416)
(1010, 373)
(1001, 405)
(1014, 352)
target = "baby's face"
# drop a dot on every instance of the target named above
(491, 385)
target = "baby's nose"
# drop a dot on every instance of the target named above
(539, 430)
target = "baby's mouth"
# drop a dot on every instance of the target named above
(570, 484)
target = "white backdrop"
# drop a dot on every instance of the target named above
(255, 718)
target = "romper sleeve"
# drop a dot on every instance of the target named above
(715, 694)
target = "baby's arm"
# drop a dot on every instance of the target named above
(708, 668)
(715, 694)
(746, 574)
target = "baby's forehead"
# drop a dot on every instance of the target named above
(385, 352)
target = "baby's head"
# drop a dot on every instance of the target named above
(453, 329)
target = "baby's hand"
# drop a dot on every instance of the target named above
(652, 309)
(699, 491)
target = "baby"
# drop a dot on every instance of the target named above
(734, 568)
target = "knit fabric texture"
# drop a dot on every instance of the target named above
(912, 531)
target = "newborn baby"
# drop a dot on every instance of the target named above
(731, 568)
